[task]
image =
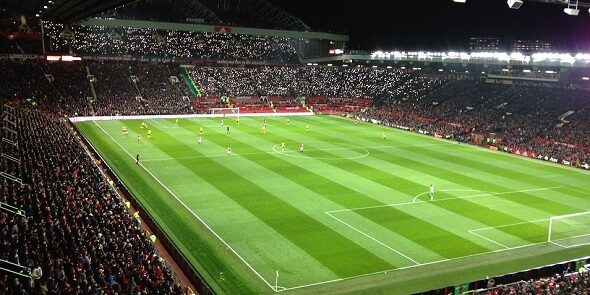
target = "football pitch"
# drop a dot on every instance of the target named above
(351, 213)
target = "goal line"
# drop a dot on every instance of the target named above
(225, 111)
(569, 230)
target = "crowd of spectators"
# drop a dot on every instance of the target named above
(527, 118)
(115, 91)
(574, 283)
(72, 233)
(100, 40)
(70, 81)
(299, 81)
(102, 88)
(158, 91)
(543, 120)
(57, 173)
(25, 80)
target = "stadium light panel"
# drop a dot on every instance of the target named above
(459, 1)
(514, 4)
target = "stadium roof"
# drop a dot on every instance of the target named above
(64, 11)
(581, 3)
(70, 11)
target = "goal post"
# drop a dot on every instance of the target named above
(225, 111)
(569, 230)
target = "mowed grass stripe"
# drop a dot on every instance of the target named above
(509, 179)
(304, 172)
(315, 238)
(306, 269)
(366, 132)
(257, 158)
(530, 167)
(534, 233)
(306, 183)
(329, 126)
(166, 211)
(347, 170)
(464, 179)
(330, 190)
(260, 153)
(548, 174)
(310, 180)
(505, 169)
(429, 235)
(485, 168)
(575, 196)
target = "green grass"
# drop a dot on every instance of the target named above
(349, 215)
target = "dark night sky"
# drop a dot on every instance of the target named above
(442, 24)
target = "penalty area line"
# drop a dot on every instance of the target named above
(374, 239)
(488, 239)
(488, 193)
(441, 200)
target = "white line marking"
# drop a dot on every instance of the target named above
(370, 237)
(412, 266)
(511, 224)
(555, 242)
(200, 157)
(500, 226)
(440, 200)
(449, 190)
(299, 154)
(577, 190)
(261, 153)
(193, 213)
(157, 121)
(534, 160)
(274, 151)
(497, 243)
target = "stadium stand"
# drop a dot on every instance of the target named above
(70, 233)
(512, 117)
(95, 246)
(98, 40)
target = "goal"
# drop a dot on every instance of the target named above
(570, 230)
(225, 111)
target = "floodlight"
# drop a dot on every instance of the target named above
(571, 11)
(459, 1)
(572, 7)
(514, 4)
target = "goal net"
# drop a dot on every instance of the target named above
(225, 111)
(570, 230)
